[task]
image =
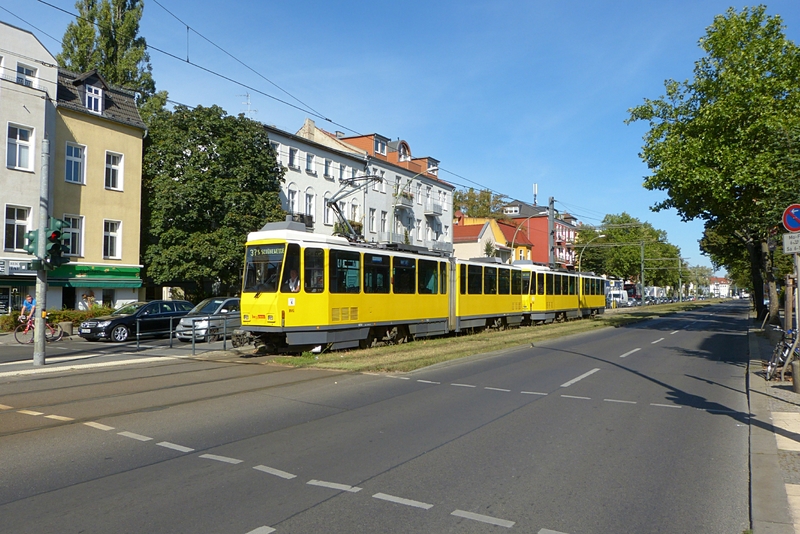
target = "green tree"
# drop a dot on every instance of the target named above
(481, 203)
(488, 249)
(105, 37)
(724, 145)
(208, 180)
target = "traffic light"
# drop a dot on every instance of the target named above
(55, 248)
(32, 237)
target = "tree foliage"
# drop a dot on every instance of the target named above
(105, 37)
(724, 145)
(208, 180)
(481, 203)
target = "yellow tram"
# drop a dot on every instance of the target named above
(303, 290)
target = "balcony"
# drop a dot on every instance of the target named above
(433, 209)
(405, 200)
(389, 237)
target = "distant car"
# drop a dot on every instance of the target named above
(210, 320)
(155, 318)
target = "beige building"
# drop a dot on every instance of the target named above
(97, 189)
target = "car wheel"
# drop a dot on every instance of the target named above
(214, 335)
(120, 333)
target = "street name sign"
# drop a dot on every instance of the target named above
(791, 243)
(791, 218)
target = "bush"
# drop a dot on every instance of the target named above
(9, 322)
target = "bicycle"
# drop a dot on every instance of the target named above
(781, 352)
(24, 332)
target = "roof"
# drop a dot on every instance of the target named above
(119, 105)
(512, 235)
(469, 233)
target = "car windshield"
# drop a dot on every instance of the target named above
(129, 309)
(208, 305)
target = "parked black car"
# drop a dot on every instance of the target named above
(157, 317)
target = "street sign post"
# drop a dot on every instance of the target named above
(791, 218)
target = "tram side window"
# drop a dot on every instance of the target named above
(263, 267)
(291, 270)
(345, 271)
(516, 283)
(377, 277)
(540, 284)
(462, 273)
(404, 275)
(526, 283)
(571, 284)
(428, 279)
(474, 280)
(443, 277)
(490, 280)
(504, 281)
(314, 270)
(550, 285)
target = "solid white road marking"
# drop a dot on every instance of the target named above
(262, 530)
(334, 485)
(428, 382)
(98, 426)
(629, 353)
(498, 389)
(174, 446)
(532, 393)
(483, 518)
(59, 417)
(29, 412)
(576, 379)
(4, 407)
(575, 397)
(61, 368)
(134, 436)
(463, 385)
(225, 459)
(620, 401)
(664, 405)
(400, 500)
(276, 472)
(659, 340)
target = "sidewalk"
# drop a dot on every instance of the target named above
(774, 444)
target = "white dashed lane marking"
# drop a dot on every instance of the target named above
(29, 412)
(620, 401)
(137, 437)
(576, 397)
(276, 472)
(675, 332)
(4, 407)
(428, 382)
(579, 378)
(400, 500)
(98, 426)
(629, 353)
(262, 530)
(483, 518)
(498, 389)
(664, 405)
(659, 340)
(224, 459)
(532, 393)
(174, 446)
(334, 485)
(59, 417)
(548, 531)
(463, 385)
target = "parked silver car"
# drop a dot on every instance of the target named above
(210, 319)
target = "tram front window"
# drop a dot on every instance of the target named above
(263, 268)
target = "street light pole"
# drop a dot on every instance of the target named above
(580, 256)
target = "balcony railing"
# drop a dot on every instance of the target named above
(308, 220)
(405, 202)
(433, 209)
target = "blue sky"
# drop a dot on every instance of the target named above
(505, 94)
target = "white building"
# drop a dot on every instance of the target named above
(28, 80)
(385, 193)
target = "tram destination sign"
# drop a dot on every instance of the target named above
(791, 243)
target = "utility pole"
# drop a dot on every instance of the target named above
(551, 230)
(41, 275)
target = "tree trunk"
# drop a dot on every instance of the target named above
(754, 252)
(772, 288)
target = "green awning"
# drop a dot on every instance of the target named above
(16, 282)
(97, 282)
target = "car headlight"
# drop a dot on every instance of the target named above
(103, 324)
(201, 324)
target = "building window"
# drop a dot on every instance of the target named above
(444, 200)
(310, 164)
(375, 185)
(419, 230)
(18, 153)
(111, 239)
(372, 219)
(25, 74)
(354, 211)
(383, 221)
(293, 158)
(380, 146)
(113, 171)
(353, 173)
(75, 163)
(309, 203)
(383, 181)
(419, 193)
(328, 164)
(327, 210)
(277, 148)
(291, 200)
(73, 235)
(94, 99)
(341, 171)
(16, 226)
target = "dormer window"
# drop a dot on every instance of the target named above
(94, 99)
(25, 74)
(380, 146)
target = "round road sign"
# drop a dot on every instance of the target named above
(791, 218)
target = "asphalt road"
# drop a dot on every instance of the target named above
(636, 429)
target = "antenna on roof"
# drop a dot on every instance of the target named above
(248, 111)
(535, 192)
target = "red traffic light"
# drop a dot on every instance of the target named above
(54, 236)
